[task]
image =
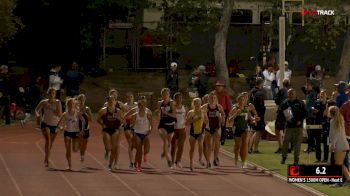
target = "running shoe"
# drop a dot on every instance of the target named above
(201, 163)
(244, 165)
(46, 163)
(131, 165)
(209, 166)
(139, 169)
(82, 158)
(191, 168)
(145, 158)
(162, 155)
(178, 164)
(116, 167)
(110, 168)
(173, 166)
(169, 164)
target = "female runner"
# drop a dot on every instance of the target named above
(142, 121)
(50, 111)
(69, 122)
(241, 115)
(215, 114)
(167, 120)
(85, 112)
(178, 141)
(128, 130)
(111, 120)
(196, 117)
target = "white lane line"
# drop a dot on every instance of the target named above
(16, 137)
(114, 175)
(11, 176)
(61, 174)
(168, 176)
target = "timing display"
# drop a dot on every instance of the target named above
(314, 173)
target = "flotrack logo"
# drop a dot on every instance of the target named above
(314, 12)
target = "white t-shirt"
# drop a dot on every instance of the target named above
(268, 78)
(55, 80)
(142, 124)
(180, 118)
(287, 75)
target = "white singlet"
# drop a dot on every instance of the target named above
(180, 118)
(72, 122)
(142, 124)
(49, 115)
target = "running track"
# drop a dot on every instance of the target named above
(22, 171)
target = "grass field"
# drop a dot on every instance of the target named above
(269, 160)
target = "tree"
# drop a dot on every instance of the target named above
(9, 23)
(344, 70)
(221, 41)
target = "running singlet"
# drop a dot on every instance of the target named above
(142, 124)
(196, 127)
(49, 115)
(241, 120)
(213, 117)
(110, 120)
(180, 118)
(129, 107)
(165, 118)
(72, 122)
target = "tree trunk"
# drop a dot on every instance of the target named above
(221, 42)
(344, 69)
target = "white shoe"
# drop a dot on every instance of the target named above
(244, 165)
(179, 165)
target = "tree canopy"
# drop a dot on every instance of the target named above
(9, 23)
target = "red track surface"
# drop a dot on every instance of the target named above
(22, 171)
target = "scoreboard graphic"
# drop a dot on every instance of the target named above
(315, 174)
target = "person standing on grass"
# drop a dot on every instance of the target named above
(172, 78)
(111, 119)
(167, 116)
(49, 111)
(241, 116)
(69, 122)
(178, 140)
(128, 130)
(294, 112)
(85, 112)
(196, 118)
(280, 123)
(319, 110)
(216, 118)
(257, 97)
(338, 141)
(142, 121)
(269, 77)
(311, 97)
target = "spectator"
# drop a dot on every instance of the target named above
(311, 97)
(257, 97)
(345, 111)
(172, 79)
(55, 81)
(202, 81)
(294, 112)
(317, 76)
(258, 74)
(287, 74)
(338, 141)
(73, 80)
(5, 89)
(282, 95)
(319, 110)
(341, 97)
(269, 78)
(224, 100)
